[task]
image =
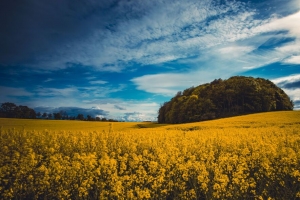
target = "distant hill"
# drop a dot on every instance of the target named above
(223, 98)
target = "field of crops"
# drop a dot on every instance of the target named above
(248, 157)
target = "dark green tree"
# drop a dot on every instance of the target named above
(80, 117)
(90, 118)
(25, 112)
(8, 110)
(38, 114)
(57, 116)
(11, 110)
(44, 115)
(222, 98)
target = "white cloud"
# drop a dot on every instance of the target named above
(147, 109)
(280, 53)
(13, 94)
(164, 84)
(132, 110)
(136, 116)
(290, 23)
(232, 47)
(287, 79)
(170, 83)
(58, 97)
(100, 82)
(154, 32)
(56, 92)
(62, 97)
(290, 48)
(166, 31)
(235, 51)
(293, 60)
(292, 92)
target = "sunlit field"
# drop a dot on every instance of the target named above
(247, 157)
(61, 125)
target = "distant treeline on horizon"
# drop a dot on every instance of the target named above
(11, 110)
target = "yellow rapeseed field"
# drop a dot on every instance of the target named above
(247, 157)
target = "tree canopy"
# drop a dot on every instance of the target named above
(223, 98)
(11, 110)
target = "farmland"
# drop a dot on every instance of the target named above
(253, 156)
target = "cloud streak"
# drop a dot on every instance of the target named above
(151, 33)
(15, 92)
(293, 60)
(241, 53)
(100, 82)
(288, 82)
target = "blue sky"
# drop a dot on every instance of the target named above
(122, 59)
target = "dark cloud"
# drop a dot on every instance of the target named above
(131, 113)
(73, 111)
(297, 105)
(119, 107)
(32, 29)
(292, 85)
(132, 116)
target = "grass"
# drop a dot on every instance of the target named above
(267, 119)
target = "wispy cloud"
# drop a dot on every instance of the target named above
(56, 99)
(294, 94)
(144, 110)
(242, 52)
(14, 92)
(56, 92)
(179, 31)
(139, 111)
(291, 78)
(234, 52)
(15, 95)
(148, 33)
(100, 82)
(79, 93)
(293, 60)
(291, 85)
(291, 81)
(133, 116)
(297, 105)
(151, 33)
(119, 107)
(165, 84)
(48, 80)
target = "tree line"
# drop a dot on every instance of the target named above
(11, 110)
(223, 98)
